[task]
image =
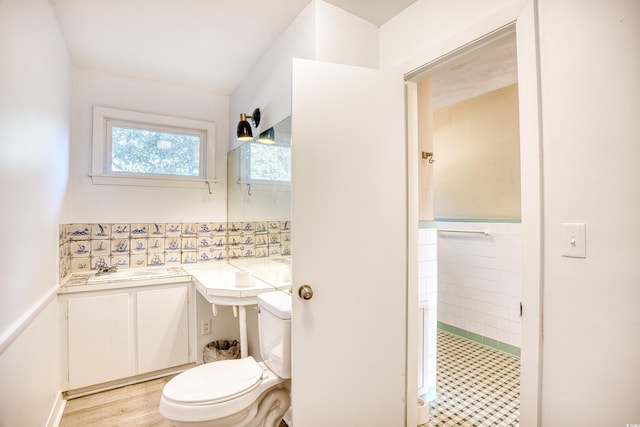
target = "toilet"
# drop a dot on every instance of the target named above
(239, 392)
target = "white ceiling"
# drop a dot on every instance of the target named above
(374, 11)
(477, 74)
(206, 43)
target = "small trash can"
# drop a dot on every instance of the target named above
(221, 350)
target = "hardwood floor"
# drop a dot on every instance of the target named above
(133, 405)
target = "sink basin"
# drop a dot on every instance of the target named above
(133, 274)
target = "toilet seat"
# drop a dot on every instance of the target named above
(198, 395)
(214, 383)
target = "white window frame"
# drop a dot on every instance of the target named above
(101, 173)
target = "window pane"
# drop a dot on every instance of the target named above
(270, 162)
(144, 151)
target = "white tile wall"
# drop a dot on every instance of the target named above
(428, 296)
(479, 281)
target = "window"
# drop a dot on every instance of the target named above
(266, 164)
(131, 148)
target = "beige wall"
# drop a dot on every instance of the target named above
(477, 153)
(425, 143)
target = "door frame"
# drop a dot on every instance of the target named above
(522, 19)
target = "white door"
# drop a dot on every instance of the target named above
(349, 244)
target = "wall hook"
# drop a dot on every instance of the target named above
(428, 156)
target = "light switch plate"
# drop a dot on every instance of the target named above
(574, 244)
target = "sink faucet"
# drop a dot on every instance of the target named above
(106, 269)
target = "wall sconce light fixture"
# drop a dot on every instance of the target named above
(267, 137)
(244, 128)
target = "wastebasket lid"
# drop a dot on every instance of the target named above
(214, 382)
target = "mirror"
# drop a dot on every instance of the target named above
(258, 178)
(259, 205)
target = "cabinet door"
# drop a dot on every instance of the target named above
(163, 328)
(99, 339)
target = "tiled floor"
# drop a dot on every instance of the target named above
(476, 385)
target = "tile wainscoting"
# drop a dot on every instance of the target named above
(88, 246)
(479, 281)
(428, 299)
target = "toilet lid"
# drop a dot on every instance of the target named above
(214, 382)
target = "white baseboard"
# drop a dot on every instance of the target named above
(55, 416)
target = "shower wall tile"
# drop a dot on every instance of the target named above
(428, 297)
(89, 246)
(479, 280)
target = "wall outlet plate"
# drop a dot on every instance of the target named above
(205, 327)
(574, 244)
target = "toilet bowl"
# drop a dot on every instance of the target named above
(239, 392)
(225, 393)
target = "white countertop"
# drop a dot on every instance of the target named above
(217, 283)
(214, 281)
(126, 278)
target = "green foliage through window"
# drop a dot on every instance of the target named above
(158, 152)
(269, 162)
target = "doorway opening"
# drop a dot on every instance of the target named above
(470, 242)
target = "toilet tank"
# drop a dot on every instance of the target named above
(274, 326)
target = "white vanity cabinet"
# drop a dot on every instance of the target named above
(99, 338)
(162, 328)
(116, 334)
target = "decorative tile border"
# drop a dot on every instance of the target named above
(471, 219)
(427, 224)
(489, 342)
(89, 246)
